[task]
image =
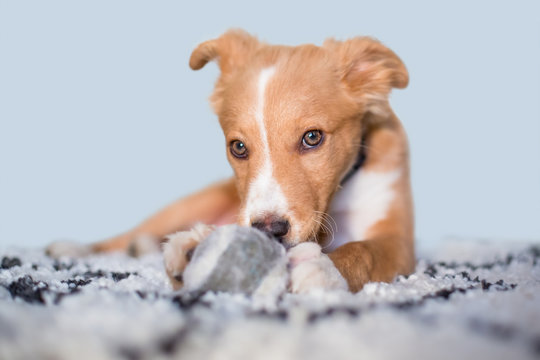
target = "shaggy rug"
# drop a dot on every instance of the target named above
(469, 300)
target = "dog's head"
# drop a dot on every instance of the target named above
(293, 120)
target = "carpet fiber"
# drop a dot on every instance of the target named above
(468, 300)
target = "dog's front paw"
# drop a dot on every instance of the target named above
(61, 248)
(311, 270)
(178, 249)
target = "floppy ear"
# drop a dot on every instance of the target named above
(369, 70)
(230, 50)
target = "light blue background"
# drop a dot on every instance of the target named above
(102, 122)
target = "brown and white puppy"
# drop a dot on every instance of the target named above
(298, 121)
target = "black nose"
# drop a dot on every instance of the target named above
(273, 226)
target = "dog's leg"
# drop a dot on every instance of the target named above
(217, 205)
(387, 246)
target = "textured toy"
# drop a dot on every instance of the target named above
(237, 259)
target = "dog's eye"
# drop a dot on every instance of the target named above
(312, 138)
(238, 149)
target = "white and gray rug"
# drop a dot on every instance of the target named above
(469, 300)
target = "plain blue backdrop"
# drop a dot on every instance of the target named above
(102, 122)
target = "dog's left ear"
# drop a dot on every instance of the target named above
(231, 50)
(369, 70)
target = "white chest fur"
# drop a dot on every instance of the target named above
(363, 201)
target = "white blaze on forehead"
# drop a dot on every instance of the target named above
(264, 195)
(363, 201)
(264, 77)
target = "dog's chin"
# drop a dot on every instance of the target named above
(292, 242)
(287, 244)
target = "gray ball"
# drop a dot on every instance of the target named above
(238, 259)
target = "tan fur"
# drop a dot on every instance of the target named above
(340, 88)
(217, 204)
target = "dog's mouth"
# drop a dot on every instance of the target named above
(284, 243)
(321, 229)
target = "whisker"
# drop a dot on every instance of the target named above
(329, 225)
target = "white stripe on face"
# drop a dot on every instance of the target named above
(264, 195)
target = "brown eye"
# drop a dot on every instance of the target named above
(238, 149)
(312, 138)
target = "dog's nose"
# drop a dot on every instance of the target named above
(273, 226)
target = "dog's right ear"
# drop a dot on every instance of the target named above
(369, 70)
(230, 50)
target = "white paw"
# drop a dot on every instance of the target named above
(313, 270)
(61, 248)
(176, 251)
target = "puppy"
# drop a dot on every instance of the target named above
(320, 162)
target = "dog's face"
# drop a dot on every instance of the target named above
(292, 119)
